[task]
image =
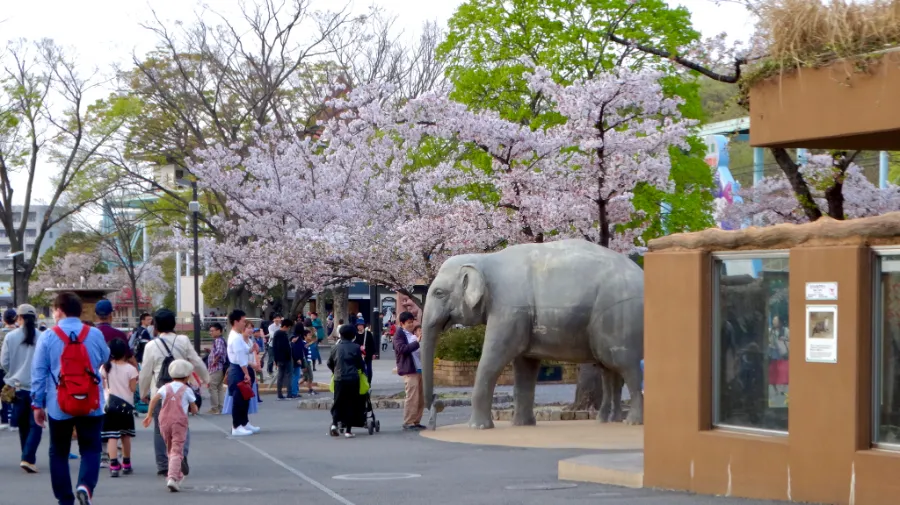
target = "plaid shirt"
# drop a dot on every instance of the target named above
(217, 355)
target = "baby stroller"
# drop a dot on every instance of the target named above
(368, 420)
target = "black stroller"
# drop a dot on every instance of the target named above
(367, 420)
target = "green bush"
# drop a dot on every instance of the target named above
(462, 344)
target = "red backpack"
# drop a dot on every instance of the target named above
(77, 390)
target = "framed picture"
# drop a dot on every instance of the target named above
(821, 333)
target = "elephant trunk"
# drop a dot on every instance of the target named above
(430, 334)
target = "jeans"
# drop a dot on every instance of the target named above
(159, 445)
(368, 370)
(295, 380)
(29, 432)
(314, 355)
(285, 373)
(89, 445)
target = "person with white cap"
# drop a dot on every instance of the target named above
(177, 400)
(16, 356)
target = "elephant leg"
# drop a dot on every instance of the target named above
(526, 371)
(632, 377)
(606, 403)
(500, 349)
(618, 382)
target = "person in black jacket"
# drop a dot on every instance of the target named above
(366, 341)
(282, 357)
(345, 362)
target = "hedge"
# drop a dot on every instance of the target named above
(461, 344)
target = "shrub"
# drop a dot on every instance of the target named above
(461, 344)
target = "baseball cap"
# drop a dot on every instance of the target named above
(26, 310)
(103, 308)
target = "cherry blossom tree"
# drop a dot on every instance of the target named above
(837, 185)
(71, 270)
(575, 179)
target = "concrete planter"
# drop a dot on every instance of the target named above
(462, 374)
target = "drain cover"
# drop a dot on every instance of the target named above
(376, 476)
(218, 489)
(549, 486)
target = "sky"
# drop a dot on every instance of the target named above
(107, 32)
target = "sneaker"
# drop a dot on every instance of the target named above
(409, 427)
(333, 431)
(28, 467)
(114, 470)
(172, 484)
(349, 435)
(126, 469)
(253, 429)
(4, 426)
(104, 463)
(418, 426)
(240, 431)
(212, 412)
(282, 398)
(83, 495)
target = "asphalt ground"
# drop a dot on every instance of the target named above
(293, 461)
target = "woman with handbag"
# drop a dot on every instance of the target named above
(120, 379)
(240, 376)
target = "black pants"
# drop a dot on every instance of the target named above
(240, 407)
(285, 372)
(347, 410)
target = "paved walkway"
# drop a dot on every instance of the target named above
(294, 462)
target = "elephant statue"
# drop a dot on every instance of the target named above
(570, 300)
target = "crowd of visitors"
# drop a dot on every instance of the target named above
(87, 381)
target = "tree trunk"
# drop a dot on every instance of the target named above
(798, 184)
(135, 306)
(341, 304)
(22, 281)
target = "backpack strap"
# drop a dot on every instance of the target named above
(71, 337)
(169, 352)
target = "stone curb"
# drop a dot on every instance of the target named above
(386, 403)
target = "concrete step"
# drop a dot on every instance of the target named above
(624, 469)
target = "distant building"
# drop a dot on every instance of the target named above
(35, 215)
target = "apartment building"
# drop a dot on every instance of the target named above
(35, 214)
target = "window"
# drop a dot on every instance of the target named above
(17, 217)
(886, 349)
(750, 341)
(6, 265)
(30, 233)
(32, 217)
(4, 248)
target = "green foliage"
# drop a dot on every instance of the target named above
(461, 344)
(215, 289)
(484, 52)
(168, 265)
(894, 168)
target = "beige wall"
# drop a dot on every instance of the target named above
(827, 456)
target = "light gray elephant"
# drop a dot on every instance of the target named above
(570, 300)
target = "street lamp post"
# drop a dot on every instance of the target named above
(15, 270)
(195, 213)
(194, 207)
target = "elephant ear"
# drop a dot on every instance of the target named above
(472, 287)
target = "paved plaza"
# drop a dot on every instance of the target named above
(293, 461)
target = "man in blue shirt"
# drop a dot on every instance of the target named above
(44, 370)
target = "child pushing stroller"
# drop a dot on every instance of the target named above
(352, 404)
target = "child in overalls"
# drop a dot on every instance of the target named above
(177, 399)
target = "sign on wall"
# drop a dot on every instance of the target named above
(821, 333)
(821, 291)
